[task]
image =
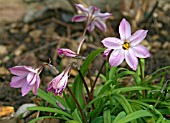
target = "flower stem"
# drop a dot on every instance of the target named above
(85, 84)
(78, 105)
(93, 85)
(82, 40)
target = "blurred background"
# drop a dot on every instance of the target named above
(32, 30)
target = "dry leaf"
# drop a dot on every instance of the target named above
(6, 110)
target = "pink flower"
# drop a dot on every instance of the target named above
(26, 78)
(93, 16)
(127, 47)
(58, 84)
(67, 52)
(106, 52)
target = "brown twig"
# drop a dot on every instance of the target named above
(150, 14)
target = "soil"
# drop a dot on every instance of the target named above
(35, 42)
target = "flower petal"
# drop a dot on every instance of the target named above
(25, 89)
(93, 10)
(67, 52)
(131, 58)
(19, 70)
(62, 82)
(103, 15)
(112, 43)
(116, 57)
(17, 82)
(100, 24)
(79, 18)
(137, 37)
(31, 78)
(57, 79)
(141, 51)
(124, 29)
(36, 85)
(91, 26)
(106, 52)
(81, 8)
(50, 87)
(30, 69)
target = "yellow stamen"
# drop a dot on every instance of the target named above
(126, 46)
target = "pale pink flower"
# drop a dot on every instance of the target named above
(128, 47)
(67, 52)
(58, 84)
(93, 16)
(26, 78)
(106, 52)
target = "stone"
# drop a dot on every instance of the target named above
(166, 45)
(3, 50)
(11, 11)
(35, 34)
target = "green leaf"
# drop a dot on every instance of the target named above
(52, 100)
(72, 121)
(135, 115)
(100, 119)
(129, 89)
(156, 74)
(48, 109)
(107, 116)
(119, 116)
(42, 117)
(112, 72)
(47, 97)
(123, 101)
(77, 87)
(76, 116)
(109, 82)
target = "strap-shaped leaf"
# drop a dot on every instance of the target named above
(77, 87)
(134, 115)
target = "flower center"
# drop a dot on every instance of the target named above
(126, 46)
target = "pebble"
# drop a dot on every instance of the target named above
(3, 50)
(166, 45)
(164, 33)
(36, 34)
(26, 28)
(156, 45)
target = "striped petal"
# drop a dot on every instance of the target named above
(112, 43)
(36, 85)
(31, 78)
(93, 10)
(137, 37)
(79, 18)
(124, 30)
(25, 89)
(100, 24)
(81, 8)
(18, 82)
(103, 15)
(116, 57)
(91, 26)
(141, 51)
(131, 58)
(19, 70)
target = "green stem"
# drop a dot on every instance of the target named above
(142, 76)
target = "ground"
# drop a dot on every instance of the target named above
(33, 43)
